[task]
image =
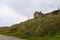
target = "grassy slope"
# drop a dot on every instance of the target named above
(39, 28)
(56, 37)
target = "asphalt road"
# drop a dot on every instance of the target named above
(3, 37)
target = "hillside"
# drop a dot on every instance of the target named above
(47, 25)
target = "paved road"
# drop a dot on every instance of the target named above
(2, 37)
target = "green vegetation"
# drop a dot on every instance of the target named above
(56, 37)
(42, 28)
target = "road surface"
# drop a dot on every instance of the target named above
(3, 37)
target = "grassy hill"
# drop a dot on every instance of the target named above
(46, 27)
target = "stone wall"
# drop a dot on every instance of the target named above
(38, 14)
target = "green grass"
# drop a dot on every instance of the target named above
(56, 37)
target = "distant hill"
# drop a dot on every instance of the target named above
(1, 28)
(48, 24)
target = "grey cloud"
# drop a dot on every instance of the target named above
(27, 8)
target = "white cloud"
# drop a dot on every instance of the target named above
(8, 16)
(13, 11)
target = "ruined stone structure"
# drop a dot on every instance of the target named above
(38, 14)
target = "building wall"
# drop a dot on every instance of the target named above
(37, 14)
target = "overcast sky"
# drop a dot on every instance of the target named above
(15, 11)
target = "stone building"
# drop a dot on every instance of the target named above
(38, 14)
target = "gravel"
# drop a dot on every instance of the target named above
(3, 37)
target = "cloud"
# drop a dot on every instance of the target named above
(8, 16)
(14, 11)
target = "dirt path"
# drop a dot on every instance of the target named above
(2, 37)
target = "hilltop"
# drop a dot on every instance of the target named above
(46, 25)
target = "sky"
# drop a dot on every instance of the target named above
(16, 11)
